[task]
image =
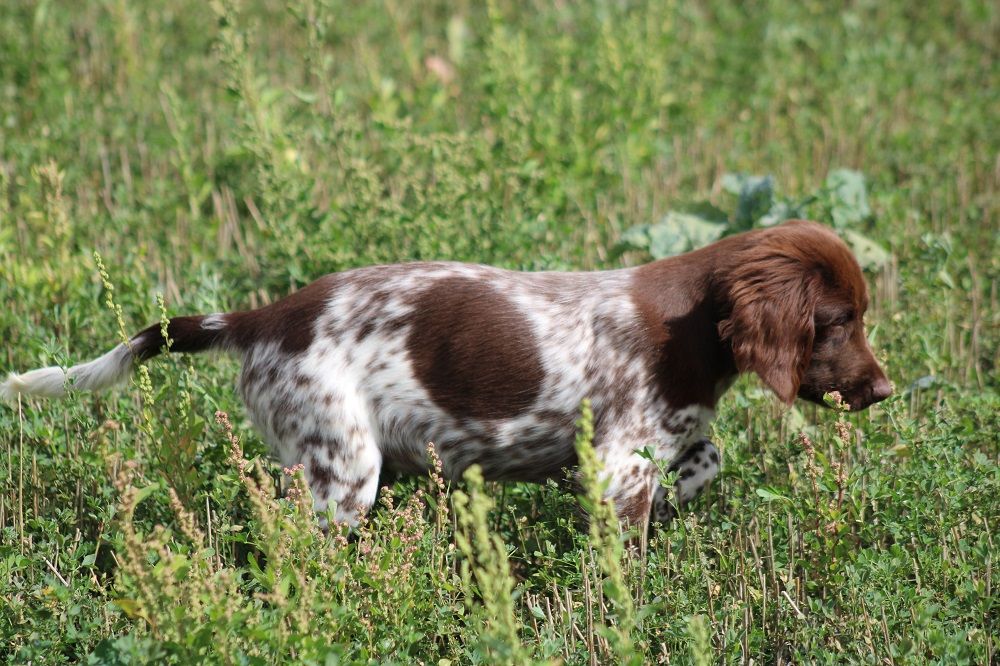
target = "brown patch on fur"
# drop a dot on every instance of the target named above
(634, 509)
(366, 329)
(291, 321)
(769, 326)
(686, 356)
(320, 474)
(474, 351)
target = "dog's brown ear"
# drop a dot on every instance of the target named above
(770, 300)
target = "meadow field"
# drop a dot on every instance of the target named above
(165, 157)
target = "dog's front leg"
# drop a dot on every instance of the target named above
(629, 482)
(696, 466)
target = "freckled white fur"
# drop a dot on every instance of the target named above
(351, 403)
(696, 467)
(689, 487)
(378, 412)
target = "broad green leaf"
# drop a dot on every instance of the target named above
(770, 495)
(848, 197)
(635, 238)
(681, 232)
(674, 234)
(706, 211)
(742, 183)
(780, 211)
(755, 197)
(143, 493)
(870, 254)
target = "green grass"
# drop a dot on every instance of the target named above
(222, 154)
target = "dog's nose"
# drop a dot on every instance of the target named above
(881, 389)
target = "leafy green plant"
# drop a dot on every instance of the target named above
(843, 200)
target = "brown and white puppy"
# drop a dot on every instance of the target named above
(359, 370)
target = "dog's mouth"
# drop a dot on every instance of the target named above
(854, 400)
(829, 397)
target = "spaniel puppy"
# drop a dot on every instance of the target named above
(359, 370)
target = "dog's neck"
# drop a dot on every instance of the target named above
(681, 310)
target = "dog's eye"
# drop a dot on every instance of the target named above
(842, 319)
(834, 319)
(831, 336)
(833, 331)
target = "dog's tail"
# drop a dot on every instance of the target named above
(187, 334)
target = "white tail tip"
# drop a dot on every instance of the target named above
(51, 382)
(48, 382)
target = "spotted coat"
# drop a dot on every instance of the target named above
(354, 374)
(490, 365)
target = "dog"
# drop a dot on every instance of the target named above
(355, 373)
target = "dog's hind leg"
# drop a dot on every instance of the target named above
(322, 425)
(342, 460)
(348, 485)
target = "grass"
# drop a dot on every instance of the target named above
(221, 154)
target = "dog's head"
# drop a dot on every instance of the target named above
(795, 300)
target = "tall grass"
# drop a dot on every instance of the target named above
(223, 153)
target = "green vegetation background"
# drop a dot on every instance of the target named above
(223, 154)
